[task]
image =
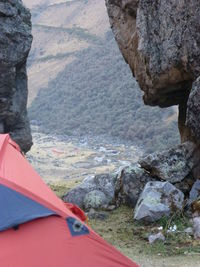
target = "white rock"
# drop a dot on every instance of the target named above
(156, 237)
(189, 230)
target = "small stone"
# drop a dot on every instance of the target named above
(172, 229)
(111, 208)
(92, 214)
(196, 227)
(189, 230)
(196, 207)
(156, 237)
(195, 192)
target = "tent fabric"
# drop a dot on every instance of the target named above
(16, 208)
(16, 174)
(37, 228)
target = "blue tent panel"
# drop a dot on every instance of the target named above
(16, 209)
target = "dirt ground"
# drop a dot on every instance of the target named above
(178, 261)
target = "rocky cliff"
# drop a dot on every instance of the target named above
(15, 43)
(160, 41)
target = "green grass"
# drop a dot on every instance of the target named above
(129, 236)
(62, 188)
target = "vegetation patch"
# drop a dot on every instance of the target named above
(128, 235)
(96, 95)
(131, 237)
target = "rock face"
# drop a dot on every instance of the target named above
(158, 199)
(193, 109)
(15, 43)
(160, 42)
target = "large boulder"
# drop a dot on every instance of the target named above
(15, 44)
(94, 192)
(158, 199)
(130, 183)
(160, 41)
(172, 165)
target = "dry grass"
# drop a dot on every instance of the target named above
(131, 238)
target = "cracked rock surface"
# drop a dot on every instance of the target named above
(15, 44)
(160, 41)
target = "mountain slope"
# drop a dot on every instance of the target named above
(79, 83)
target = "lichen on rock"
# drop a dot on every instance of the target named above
(172, 165)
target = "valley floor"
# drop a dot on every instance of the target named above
(64, 163)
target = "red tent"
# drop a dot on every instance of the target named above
(37, 229)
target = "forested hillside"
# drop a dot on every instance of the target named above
(79, 83)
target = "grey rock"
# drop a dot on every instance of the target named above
(196, 227)
(189, 231)
(93, 214)
(111, 208)
(160, 42)
(172, 165)
(130, 183)
(186, 184)
(76, 195)
(193, 109)
(95, 199)
(156, 237)
(158, 199)
(15, 44)
(94, 192)
(195, 192)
